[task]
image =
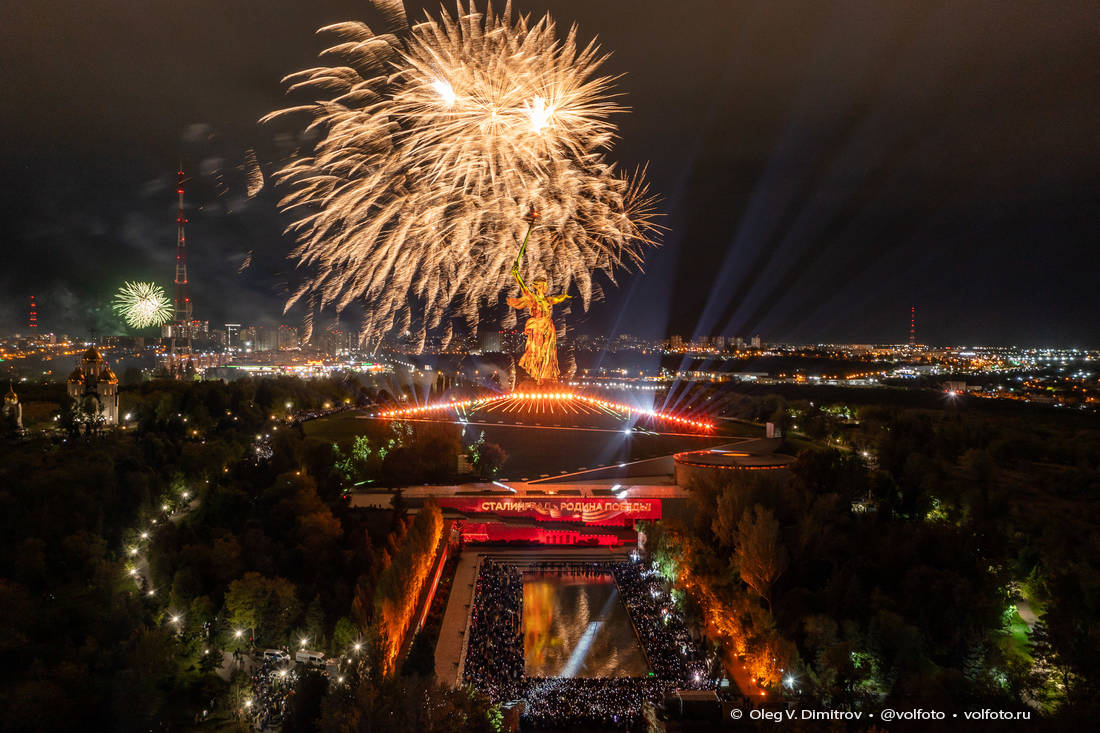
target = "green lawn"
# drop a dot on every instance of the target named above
(1015, 638)
(341, 427)
(739, 429)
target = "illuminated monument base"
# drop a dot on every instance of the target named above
(504, 533)
(561, 400)
(602, 522)
(574, 516)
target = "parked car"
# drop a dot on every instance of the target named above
(310, 658)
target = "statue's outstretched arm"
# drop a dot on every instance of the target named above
(522, 250)
(519, 279)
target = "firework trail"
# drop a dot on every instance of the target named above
(255, 176)
(437, 142)
(142, 305)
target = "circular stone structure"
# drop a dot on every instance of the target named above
(714, 463)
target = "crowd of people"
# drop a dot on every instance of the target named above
(673, 655)
(495, 650)
(272, 684)
(571, 567)
(604, 702)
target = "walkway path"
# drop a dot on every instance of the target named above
(452, 634)
(1026, 613)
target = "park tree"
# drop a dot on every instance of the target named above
(761, 556)
(490, 459)
(344, 635)
(268, 605)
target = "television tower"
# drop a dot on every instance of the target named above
(913, 326)
(182, 316)
(32, 319)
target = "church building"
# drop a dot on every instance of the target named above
(95, 387)
(12, 410)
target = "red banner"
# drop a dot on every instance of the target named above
(500, 532)
(591, 511)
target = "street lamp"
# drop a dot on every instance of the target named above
(239, 634)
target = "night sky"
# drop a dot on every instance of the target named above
(823, 165)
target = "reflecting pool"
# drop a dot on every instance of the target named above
(575, 625)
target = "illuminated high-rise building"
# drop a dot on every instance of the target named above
(233, 336)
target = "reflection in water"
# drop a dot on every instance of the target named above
(576, 626)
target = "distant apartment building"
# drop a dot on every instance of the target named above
(489, 342)
(513, 341)
(259, 338)
(286, 338)
(233, 336)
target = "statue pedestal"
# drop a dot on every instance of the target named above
(528, 385)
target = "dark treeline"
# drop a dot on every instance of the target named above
(134, 562)
(889, 566)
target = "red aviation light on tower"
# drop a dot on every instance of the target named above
(182, 311)
(32, 318)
